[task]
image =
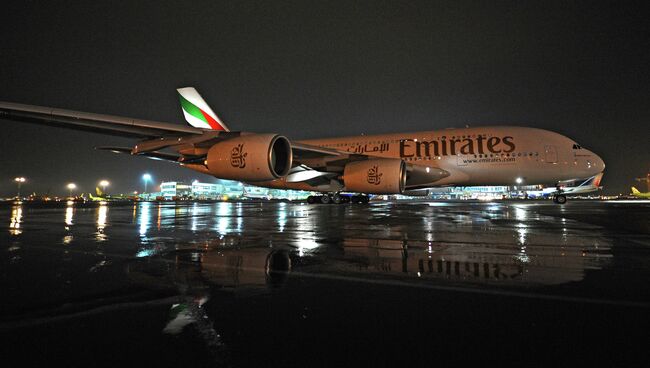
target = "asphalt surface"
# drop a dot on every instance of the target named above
(278, 284)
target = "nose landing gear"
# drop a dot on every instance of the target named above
(559, 198)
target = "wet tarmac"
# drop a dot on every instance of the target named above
(276, 284)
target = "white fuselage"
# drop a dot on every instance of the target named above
(500, 155)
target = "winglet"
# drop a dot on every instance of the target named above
(197, 112)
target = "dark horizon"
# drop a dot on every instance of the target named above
(311, 69)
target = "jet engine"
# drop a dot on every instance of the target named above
(378, 176)
(254, 157)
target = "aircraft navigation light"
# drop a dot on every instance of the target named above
(519, 180)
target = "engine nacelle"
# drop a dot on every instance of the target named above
(254, 157)
(377, 176)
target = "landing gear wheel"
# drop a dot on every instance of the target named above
(364, 199)
(311, 200)
(559, 199)
(354, 199)
(336, 199)
(325, 199)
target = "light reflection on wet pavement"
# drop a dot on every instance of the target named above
(231, 283)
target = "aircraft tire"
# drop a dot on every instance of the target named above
(336, 199)
(311, 200)
(325, 199)
(560, 199)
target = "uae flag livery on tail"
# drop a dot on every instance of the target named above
(197, 112)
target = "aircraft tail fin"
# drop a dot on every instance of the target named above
(197, 112)
(635, 191)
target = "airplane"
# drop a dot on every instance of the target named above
(368, 164)
(636, 193)
(589, 185)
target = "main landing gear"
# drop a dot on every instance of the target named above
(559, 198)
(336, 198)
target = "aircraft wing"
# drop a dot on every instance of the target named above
(98, 123)
(317, 163)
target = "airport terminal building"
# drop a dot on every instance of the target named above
(222, 190)
(228, 189)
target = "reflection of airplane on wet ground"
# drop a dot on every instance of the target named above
(474, 263)
(638, 194)
(589, 185)
(368, 164)
(227, 264)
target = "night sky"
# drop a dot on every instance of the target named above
(322, 69)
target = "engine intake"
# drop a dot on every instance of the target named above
(254, 157)
(378, 176)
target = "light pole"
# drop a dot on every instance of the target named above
(19, 180)
(146, 178)
(71, 187)
(104, 184)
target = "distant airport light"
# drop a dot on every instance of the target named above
(146, 178)
(19, 180)
(104, 184)
(71, 187)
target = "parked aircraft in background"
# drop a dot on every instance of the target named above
(589, 185)
(636, 193)
(369, 164)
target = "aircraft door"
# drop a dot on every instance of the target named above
(551, 154)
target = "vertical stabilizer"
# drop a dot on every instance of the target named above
(197, 112)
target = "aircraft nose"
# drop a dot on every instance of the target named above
(597, 163)
(600, 163)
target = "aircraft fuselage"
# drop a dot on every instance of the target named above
(478, 156)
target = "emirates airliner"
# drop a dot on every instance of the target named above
(399, 163)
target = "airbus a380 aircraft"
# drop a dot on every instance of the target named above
(369, 164)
